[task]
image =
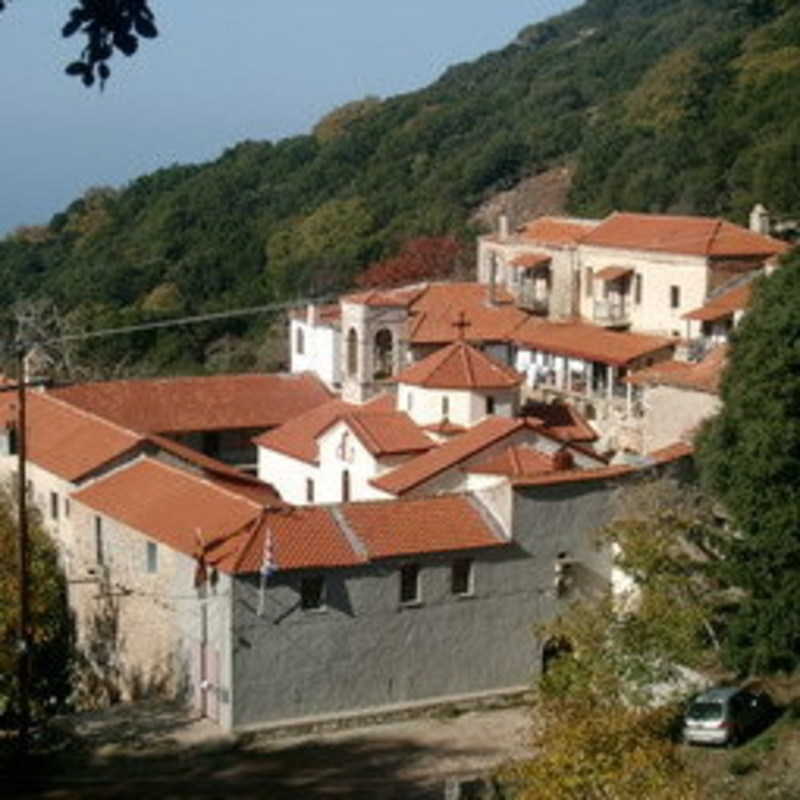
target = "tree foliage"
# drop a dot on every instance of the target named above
(50, 624)
(421, 259)
(750, 458)
(604, 723)
(668, 105)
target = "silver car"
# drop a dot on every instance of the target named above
(724, 715)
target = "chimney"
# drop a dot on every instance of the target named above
(502, 226)
(312, 315)
(759, 220)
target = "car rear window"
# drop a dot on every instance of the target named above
(705, 710)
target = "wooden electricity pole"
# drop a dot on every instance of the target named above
(24, 641)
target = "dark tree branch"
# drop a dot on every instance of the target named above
(108, 25)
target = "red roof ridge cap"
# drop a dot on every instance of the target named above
(244, 546)
(360, 430)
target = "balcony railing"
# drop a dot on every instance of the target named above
(538, 304)
(611, 312)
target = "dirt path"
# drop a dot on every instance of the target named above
(158, 752)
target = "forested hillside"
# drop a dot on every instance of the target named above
(660, 105)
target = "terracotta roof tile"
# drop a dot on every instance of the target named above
(298, 437)
(388, 433)
(562, 420)
(216, 471)
(701, 236)
(524, 460)
(330, 314)
(171, 505)
(427, 525)
(215, 402)
(531, 261)
(401, 297)
(448, 454)
(301, 538)
(70, 442)
(460, 366)
(557, 230)
(445, 428)
(723, 305)
(435, 314)
(672, 452)
(574, 476)
(589, 342)
(704, 376)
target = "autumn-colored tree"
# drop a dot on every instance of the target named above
(49, 618)
(603, 720)
(424, 258)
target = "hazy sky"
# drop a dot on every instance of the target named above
(219, 72)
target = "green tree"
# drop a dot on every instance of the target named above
(750, 459)
(603, 727)
(51, 654)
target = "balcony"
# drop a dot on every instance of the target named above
(613, 312)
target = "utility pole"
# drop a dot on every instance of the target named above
(24, 640)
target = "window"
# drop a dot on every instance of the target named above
(589, 282)
(152, 557)
(312, 592)
(637, 289)
(345, 486)
(461, 577)
(445, 406)
(382, 354)
(409, 583)
(98, 541)
(352, 351)
(409, 401)
(309, 490)
(54, 505)
(490, 405)
(66, 506)
(300, 342)
(674, 296)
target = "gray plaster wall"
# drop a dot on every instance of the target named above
(366, 651)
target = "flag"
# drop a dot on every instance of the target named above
(268, 566)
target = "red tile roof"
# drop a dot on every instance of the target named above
(723, 305)
(329, 314)
(562, 420)
(460, 366)
(445, 428)
(672, 452)
(703, 376)
(171, 505)
(437, 311)
(448, 454)
(301, 538)
(557, 230)
(401, 297)
(388, 433)
(427, 525)
(613, 273)
(523, 460)
(70, 442)
(701, 236)
(215, 402)
(589, 342)
(298, 437)
(216, 471)
(574, 476)
(531, 261)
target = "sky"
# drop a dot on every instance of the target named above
(220, 71)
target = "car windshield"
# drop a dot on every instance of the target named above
(705, 710)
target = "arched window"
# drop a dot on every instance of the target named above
(352, 351)
(300, 342)
(382, 354)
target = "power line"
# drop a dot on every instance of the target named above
(197, 318)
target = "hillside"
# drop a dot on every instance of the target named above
(657, 105)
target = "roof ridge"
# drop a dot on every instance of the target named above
(468, 364)
(82, 412)
(341, 521)
(360, 429)
(714, 232)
